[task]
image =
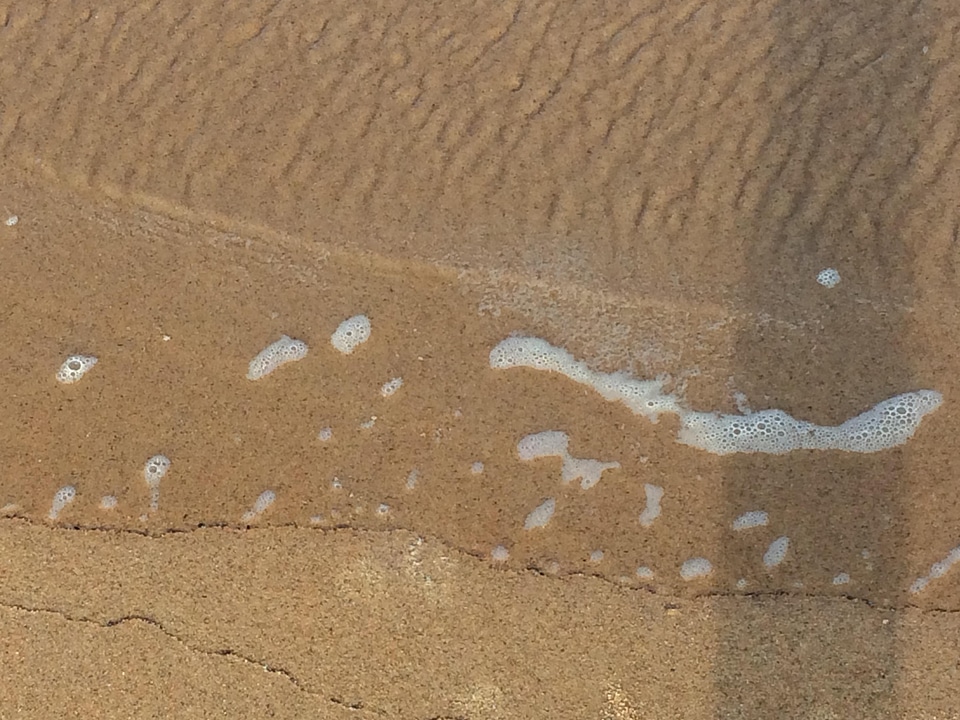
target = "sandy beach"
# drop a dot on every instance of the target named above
(650, 189)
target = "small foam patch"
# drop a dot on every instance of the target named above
(260, 505)
(61, 498)
(391, 386)
(586, 470)
(937, 570)
(776, 552)
(540, 515)
(275, 355)
(412, 478)
(750, 519)
(697, 567)
(74, 368)
(549, 443)
(154, 471)
(652, 511)
(500, 554)
(828, 277)
(553, 443)
(351, 333)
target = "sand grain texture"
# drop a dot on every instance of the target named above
(292, 621)
(653, 187)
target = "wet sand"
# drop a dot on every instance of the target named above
(654, 189)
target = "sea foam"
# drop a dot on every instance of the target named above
(888, 424)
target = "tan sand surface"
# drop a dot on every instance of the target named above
(653, 187)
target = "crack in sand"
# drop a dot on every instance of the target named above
(481, 557)
(265, 666)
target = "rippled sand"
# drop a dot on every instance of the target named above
(653, 188)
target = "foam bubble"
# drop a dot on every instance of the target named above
(937, 570)
(696, 567)
(588, 471)
(540, 515)
(61, 498)
(412, 479)
(500, 553)
(477, 468)
(553, 443)
(644, 397)
(652, 511)
(11, 221)
(828, 277)
(776, 552)
(153, 472)
(888, 424)
(391, 386)
(325, 434)
(351, 333)
(768, 431)
(108, 502)
(263, 501)
(841, 579)
(644, 573)
(750, 519)
(74, 368)
(281, 352)
(596, 556)
(549, 443)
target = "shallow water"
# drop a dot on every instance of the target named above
(654, 189)
(175, 310)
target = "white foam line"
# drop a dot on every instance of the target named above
(888, 424)
(937, 570)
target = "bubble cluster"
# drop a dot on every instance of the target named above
(694, 568)
(391, 386)
(540, 515)
(154, 471)
(260, 505)
(281, 352)
(644, 397)
(889, 423)
(750, 519)
(61, 498)
(828, 277)
(351, 333)
(74, 368)
(776, 552)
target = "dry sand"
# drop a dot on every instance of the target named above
(652, 187)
